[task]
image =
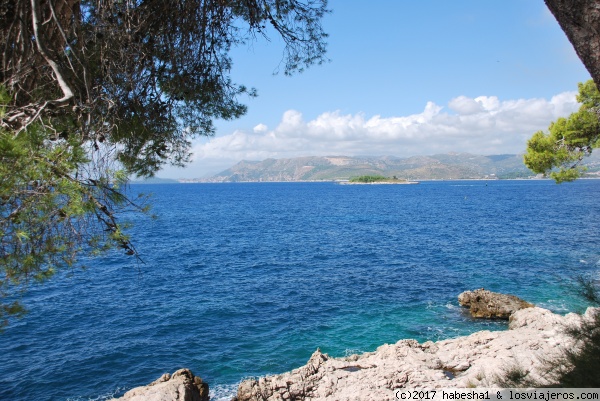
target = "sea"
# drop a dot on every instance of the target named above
(242, 280)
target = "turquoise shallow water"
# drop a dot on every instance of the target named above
(249, 279)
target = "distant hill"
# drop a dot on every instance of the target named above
(437, 167)
(154, 180)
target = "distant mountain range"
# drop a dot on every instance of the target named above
(438, 167)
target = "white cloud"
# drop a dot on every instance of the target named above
(260, 128)
(465, 106)
(481, 125)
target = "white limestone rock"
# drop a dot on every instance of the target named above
(475, 360)
(181, 386)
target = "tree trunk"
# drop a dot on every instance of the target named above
(580, 20)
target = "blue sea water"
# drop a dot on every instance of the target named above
(249, 279)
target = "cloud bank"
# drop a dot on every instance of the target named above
(481, 125)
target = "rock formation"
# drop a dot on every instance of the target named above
(477, 360)
(181, 386)
(482, 359)
(491, 305)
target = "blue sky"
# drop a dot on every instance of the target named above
(406, 78)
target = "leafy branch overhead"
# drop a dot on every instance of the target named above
(93, 91)
(562, 149)
(146, 75)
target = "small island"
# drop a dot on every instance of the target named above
(377, 179)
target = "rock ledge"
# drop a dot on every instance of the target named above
(477, 360)
(180, 386)
(491, 305)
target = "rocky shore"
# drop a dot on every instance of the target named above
(180, 386)
(477, 360)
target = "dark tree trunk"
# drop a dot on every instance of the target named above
(580, 20)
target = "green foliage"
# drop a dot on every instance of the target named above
(369, 178)
(561, 151)
(53, 206)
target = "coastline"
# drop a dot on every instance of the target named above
(378, 183)
(207, 181)
(478, 360)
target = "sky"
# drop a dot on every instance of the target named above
(404, 78)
